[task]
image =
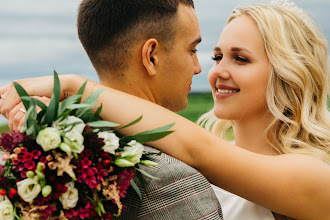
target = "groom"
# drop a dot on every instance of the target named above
(147, 48)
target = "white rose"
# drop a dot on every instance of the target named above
(69, 120)
(49, 138)
(29, 188)
(133, 151)
(77, 138)
(70, 198)
(6, 210)
(111, 141)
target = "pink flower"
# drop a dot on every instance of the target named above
(71, 213)
(23, 174)
(30, 165)
(36, 154)
(5, 156)
(86, 163)
(17, 150)
(92, 182)
(43, 160)
(27, 157)
(102, 173)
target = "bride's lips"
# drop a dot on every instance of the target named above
(225, 91)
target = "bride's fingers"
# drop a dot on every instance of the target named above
(15, 116)
(21, 123)
(9, 99)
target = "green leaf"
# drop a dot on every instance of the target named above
(78, 106)
(22, 93)
(147, 174)
(131, 123)
(102, 124)
(52, 109)
(136, 188)
(96, 116)
(157, 130)
(92, 100)
(82, 88)
(68, 102)
(143, 138)
(38, 102)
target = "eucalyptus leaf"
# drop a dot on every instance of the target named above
(131, 123)
(38, 102)
(147, 174)
(52, 109)
(82, 88)
(143, 138)
(102, 124)
(92, 100)
(22, 93)
(136, 188)
(68, 102)
(157, 130)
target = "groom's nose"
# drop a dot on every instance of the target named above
(197, 65)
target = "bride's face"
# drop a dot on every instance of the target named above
(240, 73)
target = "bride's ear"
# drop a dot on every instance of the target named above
(150, 52)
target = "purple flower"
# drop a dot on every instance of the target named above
(6, 141)
(18, 137)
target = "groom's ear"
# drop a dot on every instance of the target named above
(150, 52)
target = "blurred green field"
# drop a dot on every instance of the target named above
(198, 104)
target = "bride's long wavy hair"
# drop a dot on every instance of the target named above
(298, 85)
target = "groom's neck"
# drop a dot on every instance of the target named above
(130, 86)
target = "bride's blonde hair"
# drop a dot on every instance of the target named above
(298, 84)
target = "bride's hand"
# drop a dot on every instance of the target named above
(40, 86)
(17, 114)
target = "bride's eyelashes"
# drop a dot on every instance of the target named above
(238, 59)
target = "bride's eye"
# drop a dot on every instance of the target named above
(241, 60)
(217, 58)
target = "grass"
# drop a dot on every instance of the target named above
(198, 104)
(4, 128)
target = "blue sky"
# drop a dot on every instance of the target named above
(38, 36)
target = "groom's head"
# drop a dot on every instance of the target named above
(146, 46)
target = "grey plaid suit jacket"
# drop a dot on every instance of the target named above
(180, 193)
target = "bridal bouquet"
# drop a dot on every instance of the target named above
(67, 163)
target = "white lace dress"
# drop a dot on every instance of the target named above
(237, 208)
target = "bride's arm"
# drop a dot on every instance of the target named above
(294, 185)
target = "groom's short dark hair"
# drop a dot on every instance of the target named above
(108, 29)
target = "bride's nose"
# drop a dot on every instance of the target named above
(221, 70)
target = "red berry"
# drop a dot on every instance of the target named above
(13, 191)
(106, 162)
(104, 154)
(3, 192)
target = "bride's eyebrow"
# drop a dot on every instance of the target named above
(233, 49)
